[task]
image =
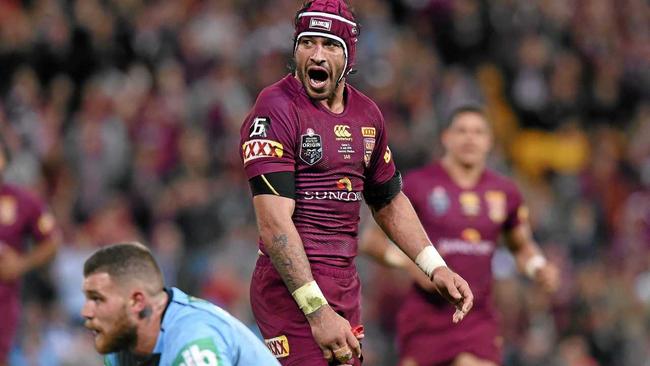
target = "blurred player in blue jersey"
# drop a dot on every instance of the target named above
(137, 321)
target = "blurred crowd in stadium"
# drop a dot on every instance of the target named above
(125, 116)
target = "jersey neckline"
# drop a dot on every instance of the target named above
(439, 166)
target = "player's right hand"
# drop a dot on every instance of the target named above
(455, 289)
(333, 335)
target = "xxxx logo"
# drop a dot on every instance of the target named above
(342, 132)
(368, 131)
(279, 346)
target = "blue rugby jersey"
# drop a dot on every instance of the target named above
(195, 332)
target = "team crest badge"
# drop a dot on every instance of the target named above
(470, 203)
(368, 147)
(439, 200)
(311, 147)
(8, 210)
(496, 202)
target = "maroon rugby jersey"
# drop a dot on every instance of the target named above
(333, 157)
(22, 216)
(465, 224)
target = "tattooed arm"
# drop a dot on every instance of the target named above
(281, 239)
(284, 246)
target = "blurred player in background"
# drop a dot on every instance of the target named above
(464, 208)
(23, 217)
(136, 321)
(313, 147)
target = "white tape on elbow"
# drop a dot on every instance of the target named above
(429, 259)
(533, 265)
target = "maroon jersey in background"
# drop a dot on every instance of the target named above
(464, 225)
(22, 216)
(333, 156)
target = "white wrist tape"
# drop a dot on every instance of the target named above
(534, 264)
(309, 297)
(429, 259)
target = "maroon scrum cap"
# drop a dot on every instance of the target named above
(332, 19)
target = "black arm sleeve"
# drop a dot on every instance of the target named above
(378, 196)
(278, 184)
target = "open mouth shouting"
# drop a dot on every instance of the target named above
(318, 77)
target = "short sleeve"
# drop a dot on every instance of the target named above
(268, 135)
(517, 212)
(408, 186)
(382, 166)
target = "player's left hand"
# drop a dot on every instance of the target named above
(548, 278)
(455, 289)
(12, 264)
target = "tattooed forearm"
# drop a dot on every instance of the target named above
(281, 240)
(282, 254)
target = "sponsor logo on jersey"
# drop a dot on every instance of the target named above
(439, 200)
(279, 346)
(317, 23)
(448, 246)
(311, 147)
(496, 204)
(344, 183)
(259, 127)
(342, 132)
(470, 203)
(387, 155)
(471, 235)
(201, 352)
(343, 196)
(368, 131)
(258, 148)
(368, 147)
(8, 210)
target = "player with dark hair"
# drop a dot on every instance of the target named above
(313, 147)
(137, 321)
(23, 217)
(464, 208)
